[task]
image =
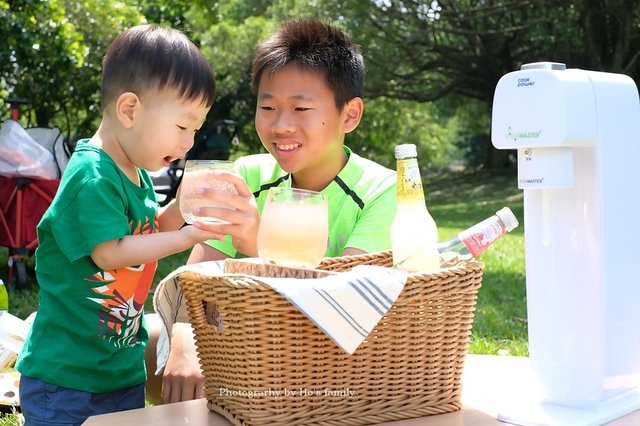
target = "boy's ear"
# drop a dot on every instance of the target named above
(353, 114)
(126, 105)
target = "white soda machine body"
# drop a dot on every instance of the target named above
(577, 134)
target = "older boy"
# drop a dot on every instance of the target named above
(100, 240)
(308, 78)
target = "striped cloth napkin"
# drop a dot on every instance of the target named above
(345, 306)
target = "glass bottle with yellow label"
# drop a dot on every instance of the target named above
(414, 234)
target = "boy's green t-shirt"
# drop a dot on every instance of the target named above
(362, 201)
(89, 332)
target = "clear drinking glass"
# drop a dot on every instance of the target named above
(294, 227)
(197, 174)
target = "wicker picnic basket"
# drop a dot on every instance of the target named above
(265, 363)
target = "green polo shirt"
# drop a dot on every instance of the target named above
(362, 201)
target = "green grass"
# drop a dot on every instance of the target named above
(12, 418)
(459, 200)
(456, 201)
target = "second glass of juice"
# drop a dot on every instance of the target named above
(294, 227)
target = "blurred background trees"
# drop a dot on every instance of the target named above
(432, 65)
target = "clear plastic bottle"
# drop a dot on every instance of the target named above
(414, 234)
(476, 239)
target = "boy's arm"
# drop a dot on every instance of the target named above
(203, 252)
(134, 250)
(169, 217)
(350, 251)
(182, 379)
(139, 249)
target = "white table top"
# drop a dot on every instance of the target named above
(486, 382)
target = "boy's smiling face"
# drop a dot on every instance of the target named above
(163, 129)
(299, 124)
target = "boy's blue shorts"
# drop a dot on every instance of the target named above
(45, 404)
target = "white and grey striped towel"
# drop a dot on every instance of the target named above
(346, 306)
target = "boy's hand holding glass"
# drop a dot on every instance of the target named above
(294, 227)
(197, 179)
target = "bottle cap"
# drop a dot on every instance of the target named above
(508, 218)
(406, 150)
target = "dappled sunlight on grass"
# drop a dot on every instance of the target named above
(458, 201)
(479, 186)
(501, 310)
(482, 345)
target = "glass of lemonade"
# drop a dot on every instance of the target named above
(197, 174)
(294, 227)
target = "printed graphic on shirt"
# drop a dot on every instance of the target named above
(121, 294)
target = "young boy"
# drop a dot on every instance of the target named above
(100, 239)
(308, 78)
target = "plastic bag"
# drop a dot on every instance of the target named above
(21, 155)
(51, 138)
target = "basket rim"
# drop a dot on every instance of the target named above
(459, 269)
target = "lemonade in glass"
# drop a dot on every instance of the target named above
(294, 228)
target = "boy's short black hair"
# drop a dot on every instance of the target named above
(148, 57)
(314, 46)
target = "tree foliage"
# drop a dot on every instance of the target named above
(51, 55)
(432, 65)
(427, 51)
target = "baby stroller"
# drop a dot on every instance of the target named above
(31, 164)
(211, 143)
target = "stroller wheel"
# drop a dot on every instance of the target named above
(17, 273)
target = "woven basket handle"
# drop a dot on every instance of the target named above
(204, 314)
